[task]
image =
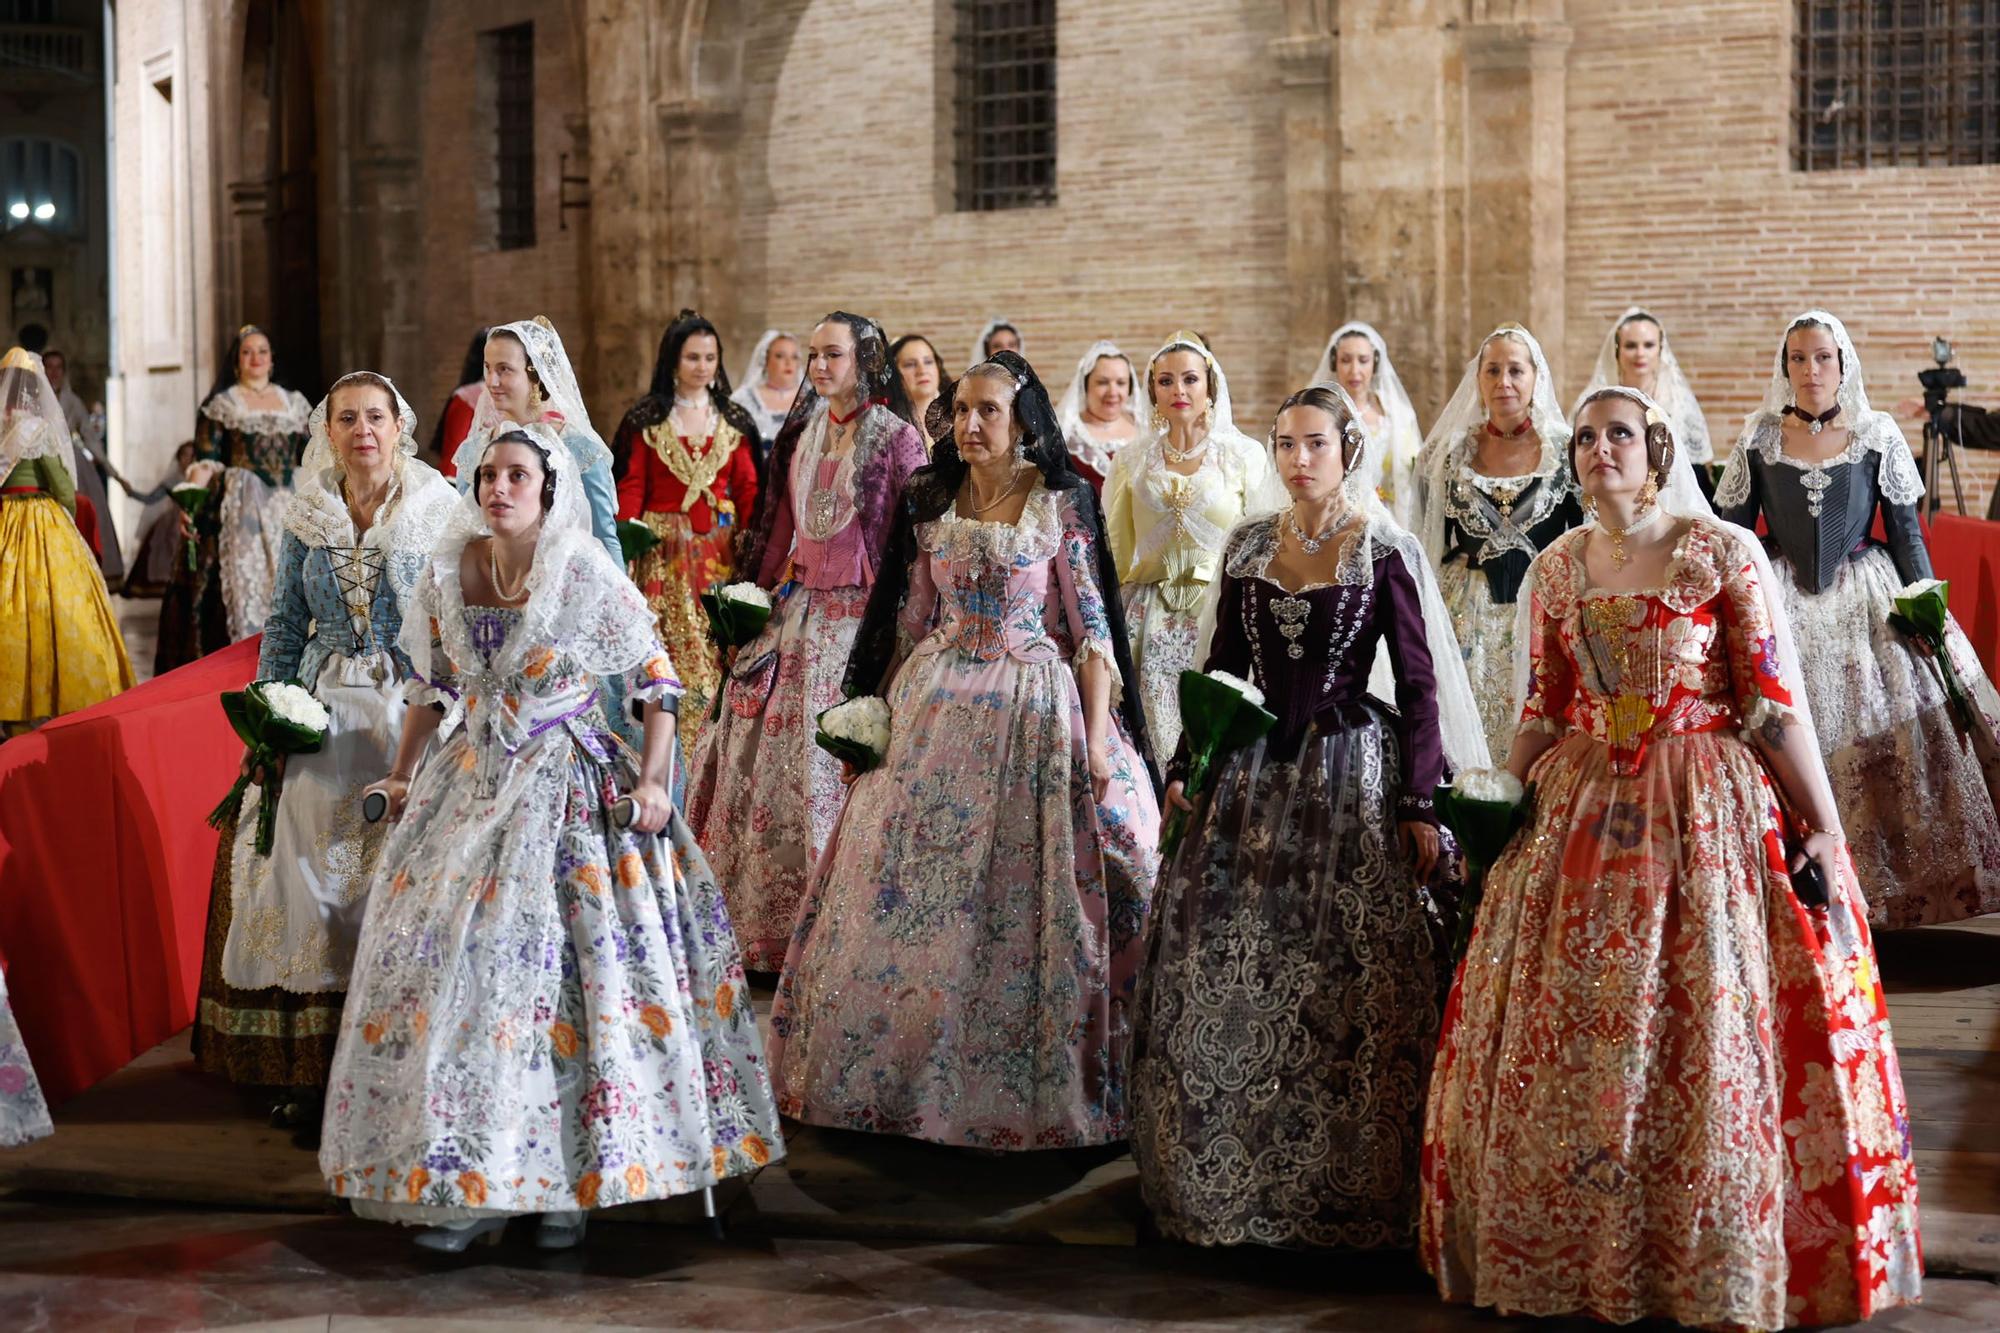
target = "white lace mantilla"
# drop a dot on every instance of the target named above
(1876, 432)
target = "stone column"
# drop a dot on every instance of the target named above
(1515, 169)
(1309, 73)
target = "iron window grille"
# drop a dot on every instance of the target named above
(514, 148)
(1006, 104)
(1882, 83)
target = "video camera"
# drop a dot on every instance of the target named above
(1942, 380)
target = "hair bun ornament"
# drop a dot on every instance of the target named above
(543, 320)
(1654, 417)
(20, 358)
(246, 331)
(687, 312)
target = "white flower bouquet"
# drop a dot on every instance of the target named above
(1483, 810)
(856, 731)
(274, 719)
(1220, 714)
(190, 496)
(737, 614)
(1923, 611)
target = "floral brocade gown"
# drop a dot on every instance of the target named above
(547, 1012)
(965, 957)
(1666, 1087)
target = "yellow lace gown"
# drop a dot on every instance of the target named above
(60, 649)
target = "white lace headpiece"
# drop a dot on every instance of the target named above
(31, 420)
(577, 597)
(1671, 390)
(1386, 387)
(1466, 413)
(564, 400)
(754, 370)
(997, 322)
(1069, 411)
(420, 499)
(1871, 431)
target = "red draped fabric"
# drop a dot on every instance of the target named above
(1966, 553)
(105, 861)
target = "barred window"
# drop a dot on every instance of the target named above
(1896, 83)
(512, 61)
(1006, 104)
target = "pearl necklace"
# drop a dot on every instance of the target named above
(1311, 545)
(693, 400)
(493, 569)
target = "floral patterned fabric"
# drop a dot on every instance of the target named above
(1666, 1088)
(965, 957)
(23, 1114)
(546, 1013)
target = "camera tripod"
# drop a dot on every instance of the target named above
(1939, 443)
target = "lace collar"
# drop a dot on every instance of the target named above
(228, 411)
(1875, 433)
(419, 502)
(1255, 545)
(1501, 510)
(1693, 574)
(1035, 537)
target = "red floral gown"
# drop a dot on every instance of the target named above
(692, 495)
(1665, 1087)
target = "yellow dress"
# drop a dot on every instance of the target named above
(60, 649)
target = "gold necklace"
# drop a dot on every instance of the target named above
(493, 568)
(977, 508)
(1619, 557)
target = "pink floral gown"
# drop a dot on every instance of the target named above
(1665, 1088)
(964, 960)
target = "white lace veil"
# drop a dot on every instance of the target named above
(31, 420)
(753, 377)
(1681, 498)
(1465, 413)
(577, 597)
(1670, 385)
(420, 499)
(1896, 472)
(979, 343)
(562, 399)
(1069, 411)
(1386, 388)
(1463, 735)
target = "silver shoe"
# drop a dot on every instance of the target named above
(457, 1237)
(560, 1231)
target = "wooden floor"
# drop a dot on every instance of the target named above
(160, 1130)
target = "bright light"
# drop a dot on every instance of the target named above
(17, 209)
(44, 211)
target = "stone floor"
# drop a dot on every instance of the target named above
(71, 1265)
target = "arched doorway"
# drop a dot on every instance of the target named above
(274, 200)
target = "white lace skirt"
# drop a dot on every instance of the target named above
(296, 914)
(1913, 797)
(1164, 639)
(1485, 632)
(253, 531)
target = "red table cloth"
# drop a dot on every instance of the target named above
(1966, 553)
(105, 859)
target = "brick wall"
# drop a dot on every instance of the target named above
(1170, 209)
(467, 282)
(1682, 198)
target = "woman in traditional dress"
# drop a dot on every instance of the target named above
(1492, 490)
(256, 429)
(690, 476)
(1637, 355)
(963, 965)
(998, 335)
(548, 1015)
(1667, 1087)
(770, 382)
(60, 649)
(1172, 498)
(24, 1116)
(1819, 466)
(1101, 411)
(763, 797)
(161, 542)
(528, 379)
(282, 927)
(1357, 359)
(921, 372)
(454, 423)
(1294, 981)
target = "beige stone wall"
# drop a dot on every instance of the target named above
(1170, 207)
(1682, 197)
